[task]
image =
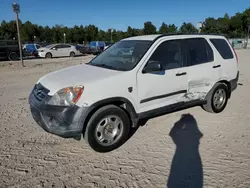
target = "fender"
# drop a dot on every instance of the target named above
(121, 101)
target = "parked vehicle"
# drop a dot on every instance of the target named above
(58, 50)
(96, 47)
(107, 44)
(9, 50)
(107, 97)
(31, 49)
(84, 49)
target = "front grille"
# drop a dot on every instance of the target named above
(40, 92)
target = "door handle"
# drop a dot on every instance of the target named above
(181, 74)
(216, 66)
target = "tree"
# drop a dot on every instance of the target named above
(188, 28)
(167, 28)
(149, 28)
(163, 28)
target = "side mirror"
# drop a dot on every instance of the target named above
(153, 66)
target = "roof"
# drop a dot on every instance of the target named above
(156, 36)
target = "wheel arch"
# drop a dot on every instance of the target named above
(121, 102)
(227, 83)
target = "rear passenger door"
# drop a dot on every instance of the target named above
(65, 49)
(202, 70)
(228, 63)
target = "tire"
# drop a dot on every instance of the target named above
(13, 56)
(72, 54)
(48, 56)
(210, 106)
(97, 129)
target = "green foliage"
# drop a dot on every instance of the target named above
(234, 26)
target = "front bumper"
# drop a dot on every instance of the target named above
(41, 54)
(63, 121)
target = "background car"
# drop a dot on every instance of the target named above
(31, 49)
(83, 48)
(107, 44)
(58, 50)
(96, 47)
(9, 50)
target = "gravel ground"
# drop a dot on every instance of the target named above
(196, 150)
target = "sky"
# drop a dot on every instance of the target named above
(119, 14)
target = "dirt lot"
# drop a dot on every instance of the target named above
(212, 150)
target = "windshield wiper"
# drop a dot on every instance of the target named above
(107, 66)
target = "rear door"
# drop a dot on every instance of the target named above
(65, 49)
(228, 59)
(202, 70)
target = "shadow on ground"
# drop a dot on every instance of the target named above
(186, 168)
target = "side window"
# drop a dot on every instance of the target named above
(169, 53)
(59, 46)
(66, 46)
(198, 51)
(223, 48)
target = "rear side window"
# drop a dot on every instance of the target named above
(223, 48)
(65, 46)
(198, 51)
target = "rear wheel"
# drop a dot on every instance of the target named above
(72, 54)
(48, 55)
(217, 99)
(107, 129)
(13, 56)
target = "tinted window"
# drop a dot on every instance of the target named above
(92, 44)
(65, 46)
(223, 48)
(12, 43)
(198, 51)
(169, 54)
(57, 46)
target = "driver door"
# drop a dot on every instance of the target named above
(159, 89)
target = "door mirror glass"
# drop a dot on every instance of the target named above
(153, 66)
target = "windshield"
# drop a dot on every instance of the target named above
(123, 55)
(49, 46)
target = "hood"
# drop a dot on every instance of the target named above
(43, 48)
(75, 75)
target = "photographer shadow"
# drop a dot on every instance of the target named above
(186, 168)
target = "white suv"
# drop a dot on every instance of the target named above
(105, 98)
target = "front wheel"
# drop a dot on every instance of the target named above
(217, 99)
(48, 56)
(107, 129)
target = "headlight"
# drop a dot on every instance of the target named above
(67, 96)
(41, 51)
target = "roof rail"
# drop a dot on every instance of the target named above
(172, 34)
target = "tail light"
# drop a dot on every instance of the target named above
(236, 55)
(234, 52)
